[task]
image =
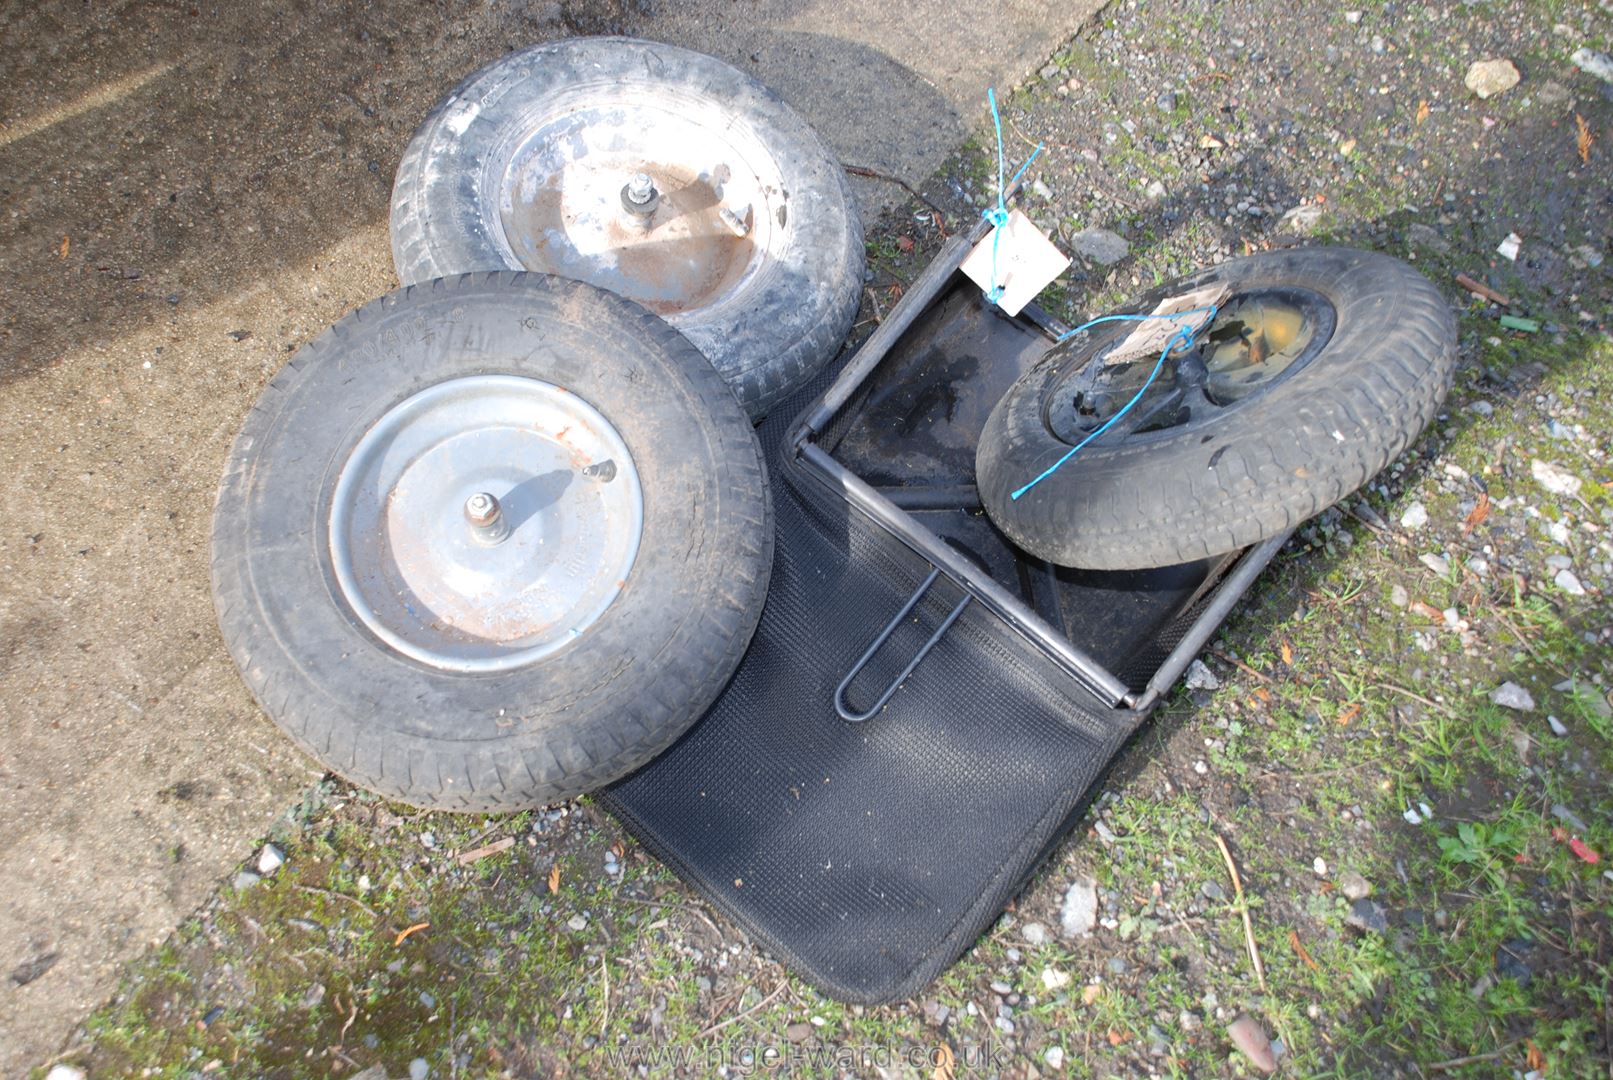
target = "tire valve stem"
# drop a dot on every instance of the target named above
(486, 518)
(640, 199)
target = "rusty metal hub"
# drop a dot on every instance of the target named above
(485, 522)
(659, 197)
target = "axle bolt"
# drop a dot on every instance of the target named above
(640, 198)
(486, 518)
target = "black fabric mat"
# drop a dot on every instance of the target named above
(868, 857)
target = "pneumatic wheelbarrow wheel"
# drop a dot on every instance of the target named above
(491, 542)
(1320, 367)
(662, 174)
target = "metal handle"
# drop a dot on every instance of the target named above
(884, 635)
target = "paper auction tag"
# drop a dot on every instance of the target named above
(1026, 262)
(1152, 335)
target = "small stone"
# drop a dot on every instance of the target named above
(429, 840)
(246, 879)
(798, 1032)
(1200, 677)
(1100, 246)
(64, 1072)
(1054, 979)
(1564, 814)
(1166, 102)
(427, 1000)
(270, 859)
(1157, 191)
(1000, 988)
(1080, 911)
(1509, 695)
(1437, 563)
(1319, 865)
(1482, 407)
(1398, 596)
(1041, 190)
(1569, 582)
(1554, 478)
(1557, 727)
(1301, 220)
(418, 1069)
(1212, 891)
(1487, 78)
(577, 923)
(1054, 1057)
(1353, 885)
(1427, 236)
(1585, 257)
(1352, 17)
(1511, 962)
(1596, 64)
(1251, 1039)
(1509, 247)
(1415, 517)
(1034, 933)
(1368, 915)
(1049, 70)
(1116, 966)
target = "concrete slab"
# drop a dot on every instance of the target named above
(187, 195)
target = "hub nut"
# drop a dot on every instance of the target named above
(639, 196)
(486, 518)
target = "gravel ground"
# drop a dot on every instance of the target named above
(1402, 742)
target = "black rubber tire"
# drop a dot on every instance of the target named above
(769, 337)
(1277, 458)
(579, 718)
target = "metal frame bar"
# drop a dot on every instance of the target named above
(884, 635)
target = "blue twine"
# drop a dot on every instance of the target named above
(998, 215)
(1180, 341)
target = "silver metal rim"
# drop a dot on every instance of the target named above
(720, 219)
(485, 522)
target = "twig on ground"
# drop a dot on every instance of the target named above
(1415, 697)
(871, 174)
(604, 974)
(341, 1040)
(1239, 664)
(1243, 910)
(465, 858)
(317, 891)
(1045, 144)
(1515, 632)
(766, 1001)
(1379, 530)
(1478, 288)
(1471, 1059)
(879, 309)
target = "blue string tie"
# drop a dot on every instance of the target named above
(998, 215)
(1180, 341)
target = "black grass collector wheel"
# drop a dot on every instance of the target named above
(662, 174)
(1321, 366)
(491, 542)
